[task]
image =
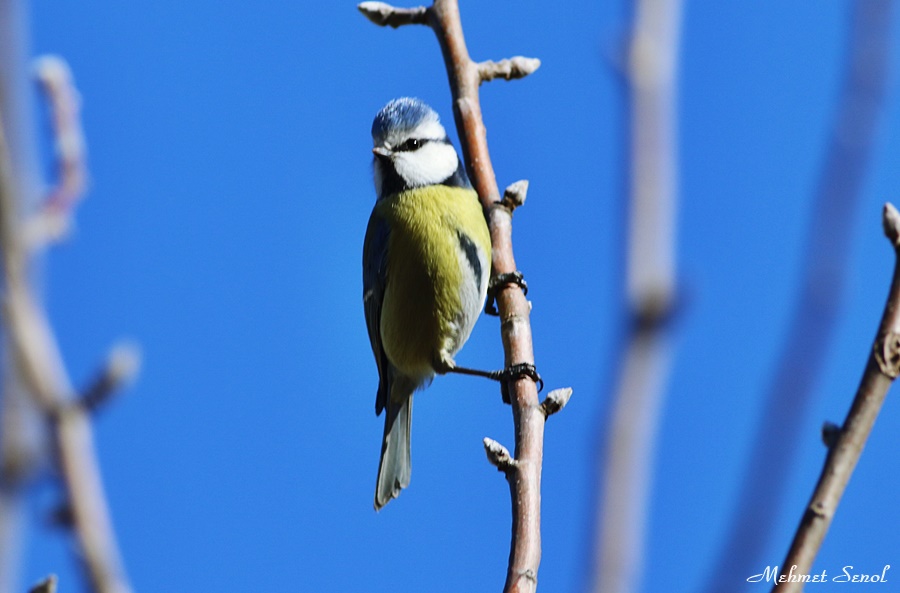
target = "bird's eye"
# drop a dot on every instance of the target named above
(411, 144)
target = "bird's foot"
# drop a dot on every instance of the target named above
(512, 373)
(515, 372)
(499, 282)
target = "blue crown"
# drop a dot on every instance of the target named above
(401, 115)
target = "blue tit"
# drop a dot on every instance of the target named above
(426, 265)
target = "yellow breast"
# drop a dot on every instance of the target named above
(422, 298)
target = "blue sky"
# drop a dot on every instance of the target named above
(231, 185)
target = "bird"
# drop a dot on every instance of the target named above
(426, 269)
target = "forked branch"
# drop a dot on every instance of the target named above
(37, 358)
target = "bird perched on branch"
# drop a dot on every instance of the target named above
(426, 265)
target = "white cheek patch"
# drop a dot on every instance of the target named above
(432, 163)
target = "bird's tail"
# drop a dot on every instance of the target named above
(396, 466)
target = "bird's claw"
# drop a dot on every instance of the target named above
(511, 373)
(499, 282)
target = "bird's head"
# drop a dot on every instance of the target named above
(410, 144)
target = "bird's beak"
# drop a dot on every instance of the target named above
(381, 151)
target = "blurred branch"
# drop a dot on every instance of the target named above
(524, 475)
(22, 432)
(881, 369)
(38, 362)
(54, 219)
(815, 312)
(122, 366)
(626, 463)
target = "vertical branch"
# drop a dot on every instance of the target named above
(525, 479)
(815, 311)
(38, 359)
(465, 76)
(651, 285)
(652, 75)
(21, 432)
(847, 445)
(33, 352)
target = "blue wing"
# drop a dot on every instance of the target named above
(374, 282)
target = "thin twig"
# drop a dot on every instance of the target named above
(465, 77)
(626, 461)
(510, 69)
(121, 367)
(55, 78)
(819, 299)
(386, 15)
(881, 369)
(53, 220)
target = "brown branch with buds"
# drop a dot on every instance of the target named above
(385, 15)
(848, 441)
(804, 351)
(523, 471)
(516, 67)
(36, 356)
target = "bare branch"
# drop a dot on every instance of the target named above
(385, 15)
(515, 67)
(838, 194)
(848, 446)
(55, 78)
(626, 459)
(525, 480)
(556, 400)
(53, 221)
(39, 363)
(22, 427)
(122, 366)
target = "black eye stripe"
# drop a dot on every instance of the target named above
(411, 144)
